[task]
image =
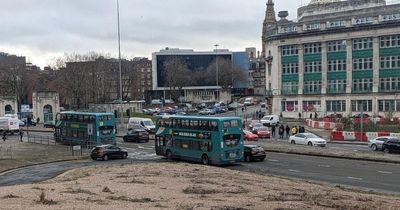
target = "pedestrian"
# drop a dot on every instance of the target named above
(37, 120)
(273, 130)
(21, 134)
(281, 131)
(287, 131)
(294, 130)
(299, 115)
(4, 135)
(303, 130)
(315, 115)
(310, 115)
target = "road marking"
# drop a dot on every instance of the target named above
(296, 171)
(355, 150)
(324, 166)
(385, 172)
(272, 160)
(355, 178)
(140, 147)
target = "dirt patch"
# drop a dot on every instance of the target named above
(183, 186)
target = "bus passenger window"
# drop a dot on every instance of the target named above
(214, 125)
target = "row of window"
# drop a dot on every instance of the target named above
(84, 118)
(291, 68)
(289, 50)
(362, 64)
(312, 87)
(390, 41)
(389, 105)
(390, 62)
(362, 85)
(290, 88)
(337, 46)
(337, 65)
(362, 43)
(389, 84)
(310, 106)
(336, 86)
(336, 106)
(331, 106)
(312, 48)
(195, 124)
(312, 67)
(361, 106)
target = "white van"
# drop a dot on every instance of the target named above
(269, 120)
(248, 101)
(146, 123)
(9, 124)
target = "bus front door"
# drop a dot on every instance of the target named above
(159, 145)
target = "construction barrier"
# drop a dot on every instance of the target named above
(322, 125)
(357, 136)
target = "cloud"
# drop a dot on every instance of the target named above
(44, 29)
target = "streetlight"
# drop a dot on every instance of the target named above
(216, 68)
(119, 60)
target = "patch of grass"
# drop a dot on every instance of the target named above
(43, 200)
(9, 196)
(78, 191)
(199, 190)
(106, 190)
(134, 200)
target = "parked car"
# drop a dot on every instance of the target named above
(333, 116)
(377, 118)
(21, 123)
(249, 136)
(358, 115)
(49, 124)
(263, 104)
(270, 120)
(106, 152)
(263, 132)
(392, 145)
(207, 112)
(255, 127)
(136, 134)
(309, 139)
(248, 101)
(253, 152)
(377, 143)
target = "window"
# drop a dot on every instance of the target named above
(292, 68)
(390, 62)
(312, 67)
(362, 44)
(361, 105)
(313, 26)
(389, 105)
(312, 87)
(389, 41)
(312, 48)
(390, 17)
(311, 106)
(337, 23)
(337, 65)
(336, 46)
(231, 123)
(289, 106)
(336, 106)
(336, 86)
(289, 50)
(390, 84)
(362, 64)
(363, 20)
(290, 88)
(362, 85)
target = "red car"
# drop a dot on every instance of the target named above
(263, 132)
(249, 136)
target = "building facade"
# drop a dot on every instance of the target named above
(199, 63)
(338, 57)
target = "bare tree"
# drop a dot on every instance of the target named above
(227, 73)
(177, 75)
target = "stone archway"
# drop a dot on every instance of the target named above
(8, 109)
(47, 113)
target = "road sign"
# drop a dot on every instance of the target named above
(76, 148)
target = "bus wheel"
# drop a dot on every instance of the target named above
(169, 155)
(205, 160)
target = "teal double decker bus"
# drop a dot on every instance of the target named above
(83, 128)
(210, 140)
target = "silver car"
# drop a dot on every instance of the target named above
(309, 139)
(376, 144)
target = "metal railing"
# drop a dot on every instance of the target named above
(6, 152)
(46, 140)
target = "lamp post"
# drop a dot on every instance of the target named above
(119, 61)
(216, 68)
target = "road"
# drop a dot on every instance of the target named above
(380, 177)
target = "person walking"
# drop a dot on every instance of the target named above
(21, 134)
(299, 115)
(294, 130)
(273, 130)
(281, 131)
(287, 131)
(4, 136)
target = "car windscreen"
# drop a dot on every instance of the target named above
(310, 135)
(231, 140)
(148, 123)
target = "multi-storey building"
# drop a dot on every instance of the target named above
(338, 56)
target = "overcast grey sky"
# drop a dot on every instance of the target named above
(44, 29)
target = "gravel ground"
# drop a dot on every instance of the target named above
(182, 186)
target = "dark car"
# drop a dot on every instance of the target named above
(136, 134)
(391, 145)
(106, 152)
(358, 115)
(253, 152)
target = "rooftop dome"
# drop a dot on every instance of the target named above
(323, 1)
